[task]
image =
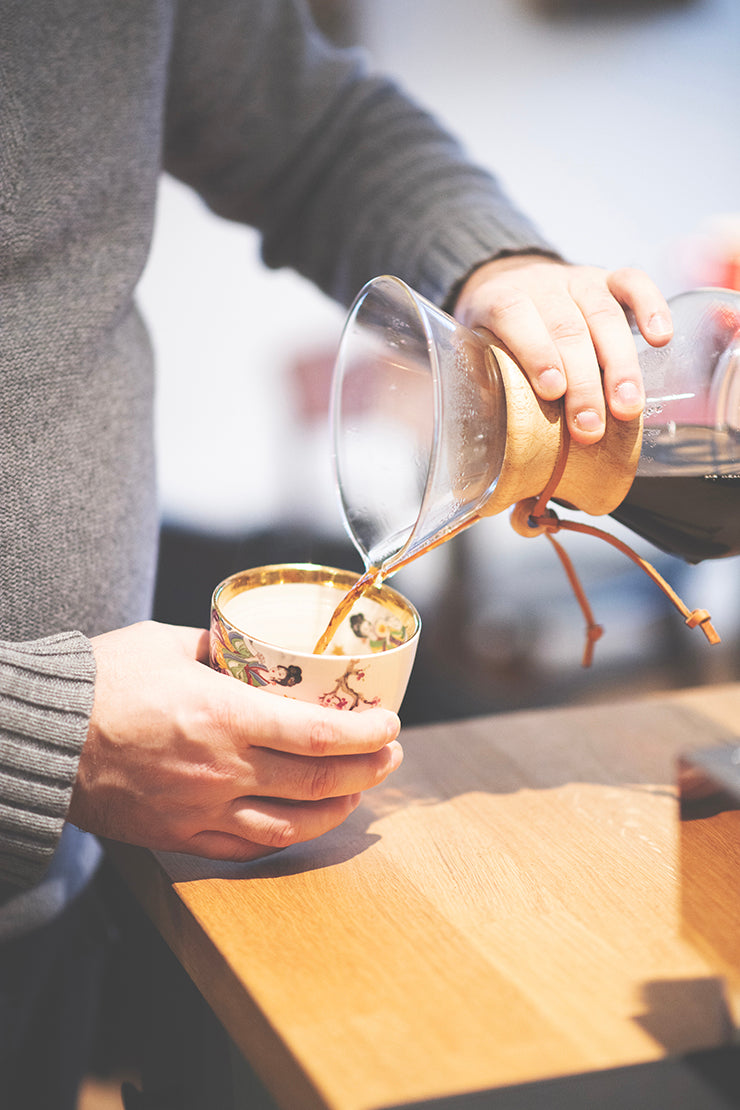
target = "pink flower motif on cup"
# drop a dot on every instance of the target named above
(343, 696)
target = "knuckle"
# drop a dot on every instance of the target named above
(603, 315)
(280, 832)
(322, 779)
(602, 305)
(216, 719)
(237, 852)
(509, 302)
(322, 736)
(581, 390)
(568, 329)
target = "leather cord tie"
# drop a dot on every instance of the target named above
(533, 517)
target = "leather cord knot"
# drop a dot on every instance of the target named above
(703, 618)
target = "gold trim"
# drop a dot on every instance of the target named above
(310, 573)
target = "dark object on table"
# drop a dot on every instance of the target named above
(709, 854)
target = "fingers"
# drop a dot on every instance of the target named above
(551, 339)
(295, 799)
(567, 329)
(304, 771)
(635, 290)
(602, 300)
(263, 720)
(568, 322)
(303, 778)
(612, 351)
(263, 826)
(182, 758)
(520, 325)
(295, 750)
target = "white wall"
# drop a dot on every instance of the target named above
(620, 136)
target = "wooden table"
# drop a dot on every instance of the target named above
(502, 911)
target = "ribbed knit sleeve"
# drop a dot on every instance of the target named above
(46, 696)
(343, 174)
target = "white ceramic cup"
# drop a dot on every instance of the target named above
(265, 623)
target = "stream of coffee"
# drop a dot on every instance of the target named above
(373, 576)
(344, 608)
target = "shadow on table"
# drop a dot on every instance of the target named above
(667, 998)
(708, 1080)
(333, 848)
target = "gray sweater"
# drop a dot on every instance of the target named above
(344, 177)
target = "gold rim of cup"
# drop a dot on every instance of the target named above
(311, 574)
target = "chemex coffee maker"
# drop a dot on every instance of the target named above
(435, 426)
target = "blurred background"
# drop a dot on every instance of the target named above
(614, 124)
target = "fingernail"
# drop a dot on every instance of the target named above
(629, 394)
(393, 727)
(659, 324)
(588, 420)
(552, 381)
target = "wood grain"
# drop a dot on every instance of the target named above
(504, 909)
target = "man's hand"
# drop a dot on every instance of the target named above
(182, 758)
(564, 325)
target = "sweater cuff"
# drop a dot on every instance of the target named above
(46, 697)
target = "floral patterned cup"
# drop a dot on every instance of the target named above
(265, 623)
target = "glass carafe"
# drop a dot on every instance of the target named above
(419, 424)
(685, 498)
(434, 426)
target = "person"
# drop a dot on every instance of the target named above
(111, 725)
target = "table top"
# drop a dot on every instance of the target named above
(504, 909)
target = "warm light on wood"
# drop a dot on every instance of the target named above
(504, 909)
